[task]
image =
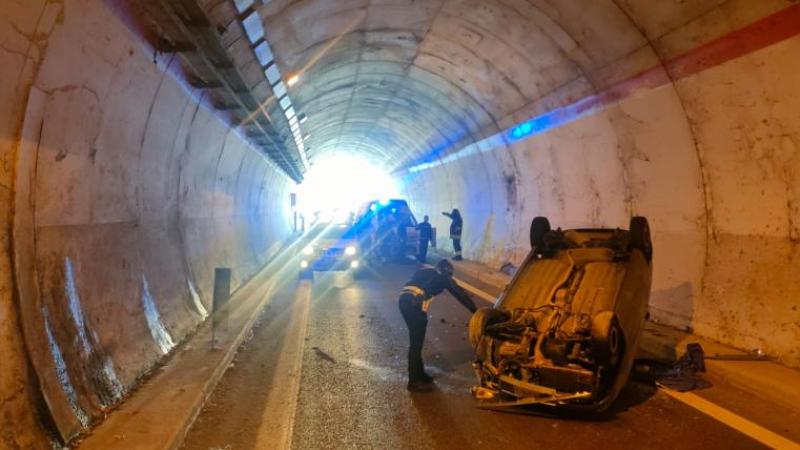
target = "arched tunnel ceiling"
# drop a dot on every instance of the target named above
(396, 80)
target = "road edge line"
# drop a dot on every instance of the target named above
(483, 295)
(279, 433)
(732, 420)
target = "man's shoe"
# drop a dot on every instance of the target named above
(419, 386)
(458, 258)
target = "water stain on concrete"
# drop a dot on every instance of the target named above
(159, 332)
(62, 373)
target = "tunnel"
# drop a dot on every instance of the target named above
(148, 143)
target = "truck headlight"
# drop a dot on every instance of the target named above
(309, 250)
(350, 251)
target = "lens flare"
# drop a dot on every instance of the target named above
(340, 184)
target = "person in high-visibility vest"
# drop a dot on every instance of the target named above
(456, 227)
(414, 302)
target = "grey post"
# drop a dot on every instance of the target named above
(222, 292)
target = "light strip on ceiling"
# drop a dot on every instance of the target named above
(254, 30)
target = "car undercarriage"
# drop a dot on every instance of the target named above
(564, 330)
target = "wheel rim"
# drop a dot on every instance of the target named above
(613, 341)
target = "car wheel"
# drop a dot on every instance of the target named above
(607, 339)
(540, 226)
(640, 236)
(480, 320)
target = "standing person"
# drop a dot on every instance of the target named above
(425, 236)
(456, 227)
(414, 302)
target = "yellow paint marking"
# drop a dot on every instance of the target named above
(733, 420)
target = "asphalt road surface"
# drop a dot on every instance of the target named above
(326, 369)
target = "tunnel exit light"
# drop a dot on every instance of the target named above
(342, 183)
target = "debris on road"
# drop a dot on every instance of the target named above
(323, 355)
(755, 355)
(682, 375)
(508, 268)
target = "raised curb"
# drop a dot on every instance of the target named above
(158, 415)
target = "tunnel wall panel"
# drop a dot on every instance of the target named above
(133, 192)
(744, 114)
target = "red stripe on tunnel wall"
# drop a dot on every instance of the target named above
(772, 29)
(767, 31)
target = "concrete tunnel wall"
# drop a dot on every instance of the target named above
(114, 173)
(129, 192)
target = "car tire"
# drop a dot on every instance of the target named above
(540, 226)
(640, 236)
(607, 339)
(480, 320)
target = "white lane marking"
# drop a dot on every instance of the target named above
(732, 420)
(277, 422)
(483, 295)
(716, 412)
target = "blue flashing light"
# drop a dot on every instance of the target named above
(522, 130)
(543, 123)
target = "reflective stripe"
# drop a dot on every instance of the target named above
(426, 304)
(413, 290)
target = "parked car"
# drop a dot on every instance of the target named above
(565, 330)
(330, 246)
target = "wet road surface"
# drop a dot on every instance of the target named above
(350, 391)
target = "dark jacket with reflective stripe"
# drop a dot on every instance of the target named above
(433, 283)
(455, 226)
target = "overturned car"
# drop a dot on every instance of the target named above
(565, 330)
